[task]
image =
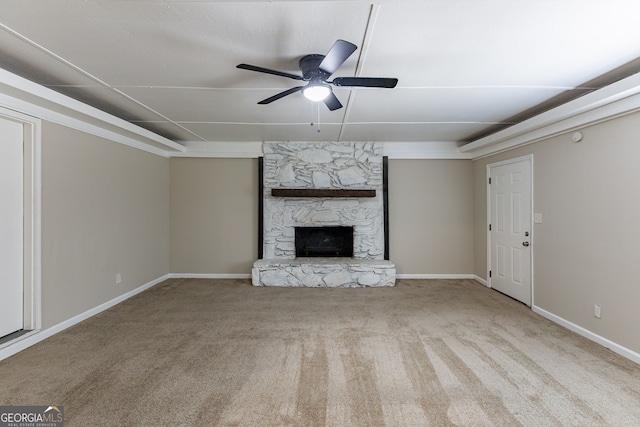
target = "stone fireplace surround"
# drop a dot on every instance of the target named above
(323, 166)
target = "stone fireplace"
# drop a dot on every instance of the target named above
(330, 194)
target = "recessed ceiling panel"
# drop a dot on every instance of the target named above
(502, 43)
(465, 68)
(233, 106)
(415, 132)
(195, 44)
(171, 130)
(110, 101)
(260, 132)
(444, 104)
(25, 60)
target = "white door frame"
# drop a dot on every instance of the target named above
(32, 218)
(528, 157)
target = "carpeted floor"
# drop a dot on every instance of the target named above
(223, 353)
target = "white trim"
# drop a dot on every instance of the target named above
(513, 160)
(425, 150)
(78, 124)
(216, 155)
(32, 147)
(248, 276)
(487, 222)
(436, 276)
(53, 106)
(617, 348)
(618, 99)
(529, 158)
(428, 150)
(12, 347)
(481, 280)
(219, 149)
(209, 276)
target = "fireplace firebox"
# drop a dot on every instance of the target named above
(324, 241)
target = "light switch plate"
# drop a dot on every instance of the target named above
(537, 218)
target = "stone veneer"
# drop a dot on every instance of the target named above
(322, 165)
(324, 272)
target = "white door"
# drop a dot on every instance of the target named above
(11, 227)
(510, 228)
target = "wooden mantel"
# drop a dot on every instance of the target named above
(321, 192)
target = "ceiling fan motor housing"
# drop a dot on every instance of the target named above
(309, 66)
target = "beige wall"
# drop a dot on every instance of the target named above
(105, 210)
(586, 251)
(214, 215)
(431, 216)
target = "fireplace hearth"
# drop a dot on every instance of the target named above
(327, 242)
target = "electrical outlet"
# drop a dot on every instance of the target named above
(118, 279)
(597, 311)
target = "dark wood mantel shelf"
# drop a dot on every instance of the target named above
(320, 192)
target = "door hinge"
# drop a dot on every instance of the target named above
(489, 273)
(489, 227)
(489, 180)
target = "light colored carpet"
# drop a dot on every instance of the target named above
(223, 353)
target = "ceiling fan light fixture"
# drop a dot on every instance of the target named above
(316, 92)
(316, 70)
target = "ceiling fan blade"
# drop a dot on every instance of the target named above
(332, 102)
(268, 71)
(280, 95)
(365, 82)
(336, 56)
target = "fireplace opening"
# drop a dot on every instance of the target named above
(324, 241)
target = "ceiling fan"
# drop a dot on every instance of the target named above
(316, 69)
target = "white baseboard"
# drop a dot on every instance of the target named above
(436, 276)
(399, 276)
(443, 276)
(12, 347)
(616, 348)
(209, 276)
(481, 280)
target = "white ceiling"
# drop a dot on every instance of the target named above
(465, 68)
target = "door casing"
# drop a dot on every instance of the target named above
(32, 309)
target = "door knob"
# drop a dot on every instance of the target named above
(525, 243)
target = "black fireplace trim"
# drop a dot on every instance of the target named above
(385, 203)
(260, 207)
